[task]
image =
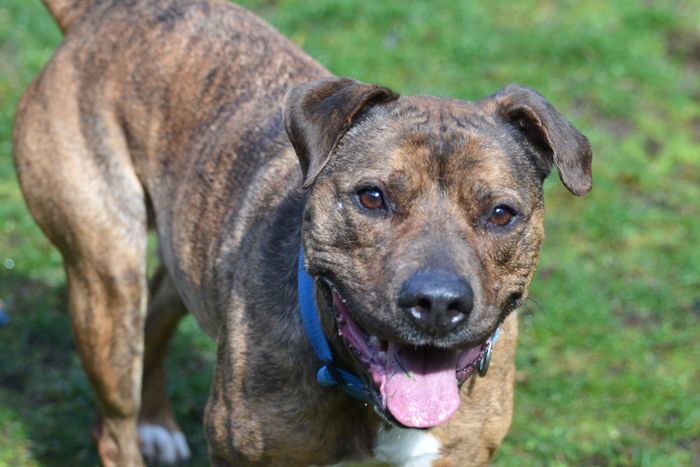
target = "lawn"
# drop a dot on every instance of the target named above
(608, 358)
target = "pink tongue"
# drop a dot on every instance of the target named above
(421, 385)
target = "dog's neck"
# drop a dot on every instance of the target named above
(329, 374)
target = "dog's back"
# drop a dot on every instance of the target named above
(66, 12)
(160, 93)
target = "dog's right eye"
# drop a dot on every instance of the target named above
(371, 198)
(502, 215)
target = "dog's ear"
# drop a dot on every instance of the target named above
(318, 114)
(552, 138)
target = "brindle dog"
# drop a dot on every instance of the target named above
(421, 220)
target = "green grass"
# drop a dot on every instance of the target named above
(607, 363)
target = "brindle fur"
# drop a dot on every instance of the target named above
(168, 114)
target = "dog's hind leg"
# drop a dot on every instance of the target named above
(80, 185)
(107, 308)
(161, 438)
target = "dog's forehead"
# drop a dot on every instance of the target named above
(435, 139)
(447, 131)
(439, 110)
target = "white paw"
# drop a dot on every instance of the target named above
(160, 446)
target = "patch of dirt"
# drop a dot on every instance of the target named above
(619, 127)
(689, 173)
(685, 45)
(695, 127)
(652, 147)
(692, 445)
(638, 320)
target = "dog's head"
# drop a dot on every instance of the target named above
(423, 225)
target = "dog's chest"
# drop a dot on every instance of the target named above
(402, 448)
(410, 448)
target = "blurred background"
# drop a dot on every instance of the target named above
(610, 341)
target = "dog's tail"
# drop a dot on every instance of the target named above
(65, 12)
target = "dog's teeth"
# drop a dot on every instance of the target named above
(374, 341)
(382, 356)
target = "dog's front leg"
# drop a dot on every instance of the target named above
(266, 408)
(233, 435)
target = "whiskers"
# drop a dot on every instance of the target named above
(530, 307)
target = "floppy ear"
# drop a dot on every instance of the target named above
(550, 136)
(318, 114)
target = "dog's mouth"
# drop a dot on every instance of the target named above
(418, 386)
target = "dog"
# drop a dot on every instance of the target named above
(358, 256)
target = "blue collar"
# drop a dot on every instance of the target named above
(328, 375)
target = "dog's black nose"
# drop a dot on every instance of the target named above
(437, 301)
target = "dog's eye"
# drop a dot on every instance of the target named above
(502, 215)
(371, 198)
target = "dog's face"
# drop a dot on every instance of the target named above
(423, 225)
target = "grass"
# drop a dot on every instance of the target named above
(607, 363)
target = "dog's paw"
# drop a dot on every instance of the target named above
(160, 446)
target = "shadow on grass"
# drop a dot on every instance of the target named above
(46, 404)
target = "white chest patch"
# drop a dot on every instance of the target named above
(406, 448)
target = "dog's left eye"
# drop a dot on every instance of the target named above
(502, 215)
(371, 198)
